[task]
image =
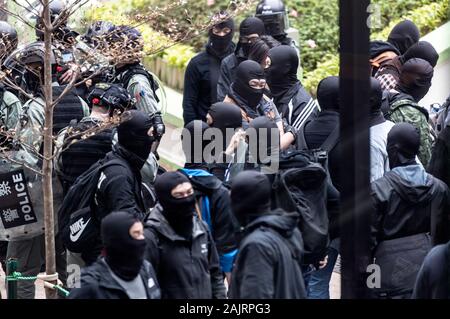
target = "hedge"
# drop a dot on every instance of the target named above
(427, 18)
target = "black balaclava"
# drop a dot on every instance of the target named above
(124, 254)
(422, 50)
(179, 212)
(250, 25)
(415, 78)
(403, 144)
(133, 134)
(221, 44)
(225, 116)
(282, 72)
(404, 35)
(264, 140)
(375, 96)
(245, 72)
(328, 93)
(250, 196)
(194, 143)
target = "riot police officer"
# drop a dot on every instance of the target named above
(132, 74)
(10, 106)
(29, 248)
(273, 14)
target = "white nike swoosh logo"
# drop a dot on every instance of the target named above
(74, 238)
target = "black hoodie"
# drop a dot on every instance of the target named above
(408, 202)
(268, 265)
(186, 269)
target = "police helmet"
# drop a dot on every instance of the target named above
(112, 96)
(273, 14)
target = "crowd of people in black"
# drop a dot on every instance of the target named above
(254, 212)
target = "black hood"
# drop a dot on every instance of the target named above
(245, 72)
(248, 26)
(378, 47)
(415, 78)
(328, 93)
(411, 192)
(194, 143)
(404, 35)
(221, 46)
(159, 222)
(283, 222)
(423, 50)
(282, 72)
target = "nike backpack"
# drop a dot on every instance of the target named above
(78, 226)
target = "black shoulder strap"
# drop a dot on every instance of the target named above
(139, 69)
(331, 140)
(301, 140)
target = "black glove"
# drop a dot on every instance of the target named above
(158, 126)
(290, 129)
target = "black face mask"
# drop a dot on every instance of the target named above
(404, 35)
(403, 145)
(179, 212)
(222, 44)
(226, 117)
(250, 196)
(194, 143)
(415, 78)
(328, 93)
(422, 50)
(247, 71)
(250, 25)
(133, 134)
(282, 72)
(124, 254)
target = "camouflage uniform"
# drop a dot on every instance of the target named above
(10, 110)
(409, 112)
(139, 87)
(31, 252)
(29, 130)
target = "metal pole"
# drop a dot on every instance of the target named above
(355, 161)
(11, 285)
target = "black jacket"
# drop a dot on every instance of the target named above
(439, 165)
(96, 282)
(222, 224)
(185, 269)
(268, 265)
(404, 208)
(296, 106)
(433, 280)
(200, 85)
(119, 187)
(228, 73)
(316, 132)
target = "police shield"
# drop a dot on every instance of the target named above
(21, 203)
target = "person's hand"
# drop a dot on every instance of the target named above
(69, 74)
(235, 140)
(323, 263)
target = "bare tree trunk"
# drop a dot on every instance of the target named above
(48, 150)
(3, 14)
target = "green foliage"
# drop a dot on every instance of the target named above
(318, 20)
(427, 18)
(178, 55)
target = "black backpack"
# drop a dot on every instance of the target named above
(300, 186)
(78, 226)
